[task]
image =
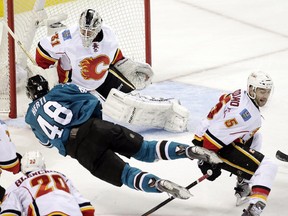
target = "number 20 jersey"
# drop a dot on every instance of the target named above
(45, 192)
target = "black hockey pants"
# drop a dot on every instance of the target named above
(95, 143)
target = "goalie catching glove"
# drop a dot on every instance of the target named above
(139, 74)
(135, 109)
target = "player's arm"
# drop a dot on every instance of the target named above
(11, 204)
(85, 206)
(9, 160)
(44, 57)
(12, 165)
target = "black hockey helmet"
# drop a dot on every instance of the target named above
(37, 86)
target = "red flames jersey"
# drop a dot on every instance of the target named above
(86, 67)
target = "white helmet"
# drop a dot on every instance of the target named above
(90, 24)
(32, 161)
(259, 79)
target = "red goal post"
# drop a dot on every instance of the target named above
(30, 20)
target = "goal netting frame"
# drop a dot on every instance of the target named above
(30, 21)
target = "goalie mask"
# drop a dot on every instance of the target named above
(259, 87)
(90, 24)
(37, 86)
(32, 161)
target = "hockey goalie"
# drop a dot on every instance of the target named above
(88, 55)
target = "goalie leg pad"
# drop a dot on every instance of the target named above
(146, 111)
(177, 118)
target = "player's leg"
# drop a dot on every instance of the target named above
(251, 165)
(151, 151)
(143, 181)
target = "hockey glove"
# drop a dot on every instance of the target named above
(139, 74)
(204, 167)
(197, 142)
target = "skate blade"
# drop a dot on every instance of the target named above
(185, 194)
(241, 200)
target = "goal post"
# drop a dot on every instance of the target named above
(32, 20)
(11, 98)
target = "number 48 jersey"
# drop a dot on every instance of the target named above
(65, 106)
(45, 192)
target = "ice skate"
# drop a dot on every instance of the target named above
(173, 189)
(196, 152)
(254, 209)
(242, 191)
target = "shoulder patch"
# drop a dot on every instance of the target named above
(66, 35)
(245, 115)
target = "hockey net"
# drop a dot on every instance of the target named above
(130, 19)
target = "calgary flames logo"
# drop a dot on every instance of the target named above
(94, 68)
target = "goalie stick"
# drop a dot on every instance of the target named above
(209, 173)
(48, 22)
(281, 156)
(20, 44)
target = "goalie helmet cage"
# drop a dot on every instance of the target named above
(30, 20)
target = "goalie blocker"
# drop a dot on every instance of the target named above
(135, 109)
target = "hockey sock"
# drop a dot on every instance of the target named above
(163, 150)
(259, 193)
(136, 179)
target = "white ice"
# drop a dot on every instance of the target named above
(200, 49)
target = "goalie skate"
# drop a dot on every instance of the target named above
(173, 189)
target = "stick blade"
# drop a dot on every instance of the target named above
(281, 156)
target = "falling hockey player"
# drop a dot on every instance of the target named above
(88, 55)
(75, 127)
(231, 130)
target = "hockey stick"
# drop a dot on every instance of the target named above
(209, 173)
(281, 156)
